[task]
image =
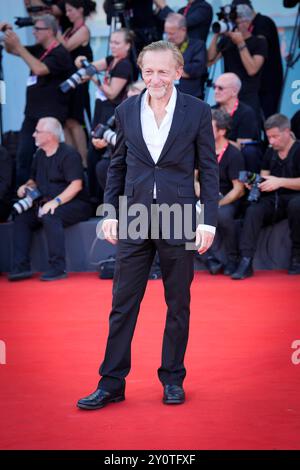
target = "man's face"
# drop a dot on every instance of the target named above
(278, 139)
(41, 135)
(41, 32)
(159, 71)
(224, 90)
(175, 34)
(243, 25)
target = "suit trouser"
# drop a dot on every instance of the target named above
(268, 210)
(133, 264)
(25, 223)
(226, 231)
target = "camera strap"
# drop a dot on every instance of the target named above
(235, 107)
(52, 46)
(221, 154)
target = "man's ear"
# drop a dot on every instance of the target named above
(179, 72)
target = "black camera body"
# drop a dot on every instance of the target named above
(254, 179)
(226, 20)
(31, 195)
(87, 69)
(106, 131)
(33, 10)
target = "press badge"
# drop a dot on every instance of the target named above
(32, 80)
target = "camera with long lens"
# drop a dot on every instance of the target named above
(106, 131)
(254, 179)
(23, 22)
(31, 195)
(226, 20)
(118, 6)
(87, 69)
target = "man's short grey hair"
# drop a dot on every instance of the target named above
(159, 46)
(52, 125)
(176, 18)
(49, 22)
(244, 12)
(278, 120)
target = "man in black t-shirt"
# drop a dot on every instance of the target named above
(280, 195)
(50, 64)
(244, 55)
(57, 173)
(231, 162)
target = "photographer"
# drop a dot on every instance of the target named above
(118, 74)
(280, 195)
(231, 162)
(57, 173)
(244, 55)
(50, 64)
(194, 54)
(198, 13)
(77, 41)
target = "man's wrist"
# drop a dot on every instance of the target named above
(58, 200)
(242, 46)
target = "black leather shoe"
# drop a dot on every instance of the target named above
(294, 267)
(173, 395)
(53, 275)
(213, 265)
(19, 275)
(244, 269)
(99, 399)
(230, 267)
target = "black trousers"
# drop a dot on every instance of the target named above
(25, 151)
(133, 264)
(226, 230)
(25, 223)
(268, 210)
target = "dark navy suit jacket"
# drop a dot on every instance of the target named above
(190, 144)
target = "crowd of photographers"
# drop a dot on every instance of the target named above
(257, 150)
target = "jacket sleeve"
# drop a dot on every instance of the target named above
(208, 168)
(196, 65)
(117, 170)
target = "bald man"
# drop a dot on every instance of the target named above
(57, 174)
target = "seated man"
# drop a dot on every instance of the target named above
(57, 173)
(194, 54)
(280, 195)
(231, 162)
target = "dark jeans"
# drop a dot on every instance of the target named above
(268, 210)
(132, 269)
(24, 225)
(25, 151)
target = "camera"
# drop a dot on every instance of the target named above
(226, 20)
(88, 69)
(33, 10)
(105, 131)
(31, 195)
(119, 7)
(254, 179)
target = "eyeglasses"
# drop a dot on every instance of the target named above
(39, 28)
(219, 87)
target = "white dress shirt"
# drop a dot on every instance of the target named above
(155, 137)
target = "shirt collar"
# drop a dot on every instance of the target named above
(170, 106)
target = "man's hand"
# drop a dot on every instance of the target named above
(49, 207)
(21, 191)
(99, 143)
(271, 184)
(12, 42)
(236, 37)
(160, 3)
(78, 61)
(204, 240)
(110, 230)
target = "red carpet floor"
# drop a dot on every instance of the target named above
(243, 391)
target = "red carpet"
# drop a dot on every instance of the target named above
(243, 391)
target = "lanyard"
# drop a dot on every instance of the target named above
(235, 107)
(70, 32)
(50, 48)
(220, 156)
(185, 11)
(107, 77)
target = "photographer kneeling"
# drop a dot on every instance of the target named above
(279, 198)
(60, 201)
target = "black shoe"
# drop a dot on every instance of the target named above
(244, 269)
(294, 267)
(173, 395)
(19, 275)
(230, 267)
(99, 399)
(53, 275)
(213, 265)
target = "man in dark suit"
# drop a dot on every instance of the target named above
(162, 136)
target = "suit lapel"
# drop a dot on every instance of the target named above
(137, 125)
(177, 122)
